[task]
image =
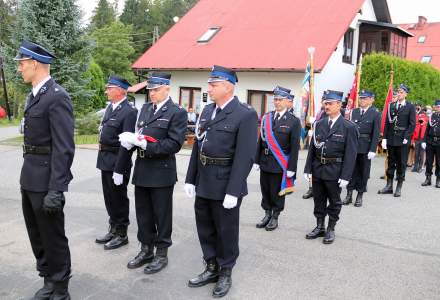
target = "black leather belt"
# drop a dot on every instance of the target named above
(267, 151)
(397, 128)
(29, 149)
(364, 135)
(141, 154)
(106, 148)
(219, 161)
(328, 160)
(435, 138)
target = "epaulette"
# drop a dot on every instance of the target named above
(249, 107)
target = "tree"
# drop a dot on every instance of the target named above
(113, 49)
(7, 15)
(56, 26)
(103, 15)
(96, 84)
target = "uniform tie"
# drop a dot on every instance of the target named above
(362, 112)
(275, 119)
(154, 108)
(330, 122)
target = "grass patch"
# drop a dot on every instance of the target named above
(6, 123)
(79, 140)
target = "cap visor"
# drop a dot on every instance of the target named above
(153, 86)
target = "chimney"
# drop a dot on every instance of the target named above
(422, 22)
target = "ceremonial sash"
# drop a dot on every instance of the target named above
(287, 184)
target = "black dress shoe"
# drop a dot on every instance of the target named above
(61, 291)
(318, 231)
(210, 275)
(223, 284)
(116, 242)
(437, 183)
(144, 256)
(349, 198)
(45, 292)
(265, 220)
(330, 233)
(388, 189)
(427, 181)
(308, 194)
(358, 202)
(107, 237)
(159, 261)
(273, 223)
(398, 191)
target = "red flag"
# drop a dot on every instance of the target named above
(388, 100)
(352, 98)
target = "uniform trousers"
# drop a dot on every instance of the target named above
(431, 152)
(270, 186)
(323, 190)
(48, 239)
(154, 214)
(218, 230)
(397, 159)
(116, 199)
(418, 156)
(361, 173)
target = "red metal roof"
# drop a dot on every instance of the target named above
(431, 46)
(137, 87)
(254, 34)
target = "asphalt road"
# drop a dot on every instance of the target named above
(388, 249)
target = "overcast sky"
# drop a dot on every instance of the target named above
(402, 11)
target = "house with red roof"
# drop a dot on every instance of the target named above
(266, 43)
(425, 46)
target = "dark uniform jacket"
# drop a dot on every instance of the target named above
(287, 132)
(339, 142)
(402, 125)
(48, 123)
(368, 126)
(432, 136)
(156, 166)
(122, 119)
(232, 134)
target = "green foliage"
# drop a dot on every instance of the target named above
(144, 15)
(7, 9)
(113, 50)
(55, 25)
(86, 139)
(103, 15)
(423, 79)
(97, 85)
(88, 124)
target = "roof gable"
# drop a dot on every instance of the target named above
(254, 34)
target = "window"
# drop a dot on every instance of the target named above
(190, 97)
(426, 59)
(421, 39)
(261, 101)
(208, 35)
(348, 46)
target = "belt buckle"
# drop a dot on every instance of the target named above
(203, 159)
(266, 151)
(141, 153)
(323, 161)
(24, 149)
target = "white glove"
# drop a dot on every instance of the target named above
(117, 178)
(405, 141)
(127, 137)
(127, 145)
(140, 141)
(230, 201)
(310, 132)
(384, 144)
(290, 174)
(190, 189)
(307, 176)
(256, 167)
(342, 183)
(423, 145)
(312, 120)
(371, 155)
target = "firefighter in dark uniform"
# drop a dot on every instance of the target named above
(115, 161)
(330, 163)
(287, 130)
(399, 126)
(221, 160)
(367, 119)
(432, 146)
(48, 152)
(160, 134)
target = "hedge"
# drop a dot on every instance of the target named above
(423, 79)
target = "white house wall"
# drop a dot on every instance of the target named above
(336, 74)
